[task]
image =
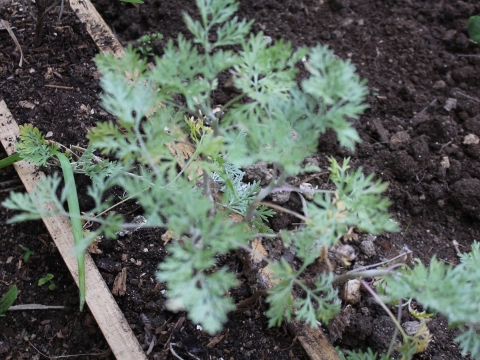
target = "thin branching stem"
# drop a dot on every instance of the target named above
(266, 236)
(233, 101)
(264, 193)
(402, 255)
(208, 192)
(360, 275)
(121, 202)
(395, 332)
(304, 206)
(144, 149)
(288, 211)
(387, 310)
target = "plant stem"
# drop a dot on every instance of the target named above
(121, 202)
(244, 303)
(266, 236)
(41, 8)
(403, 254)
(360, 275)
(264, 193)
(280, 208)
(399, 319)
(208, 192)
(233, 101)
(145, 152)
(387, 310)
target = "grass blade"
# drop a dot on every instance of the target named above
(74, 209)
(9, 160)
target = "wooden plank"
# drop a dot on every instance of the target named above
(101, 34)
(313, 341)
(99, 299)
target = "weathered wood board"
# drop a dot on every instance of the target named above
(96, 27)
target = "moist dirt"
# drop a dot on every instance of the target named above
(424, 110)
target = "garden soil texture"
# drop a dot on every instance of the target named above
(420, 133)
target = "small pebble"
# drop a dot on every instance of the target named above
(368, 248)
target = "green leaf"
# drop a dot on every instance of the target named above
(28, 252)
(8, 299)
(33, 147)
(339, 92)
(320, 304)
(44, 280)
(452, 291)
(10, 160)
(75, 220)
(368, 355)
(32, 206)
(469, 341)
(473, 28)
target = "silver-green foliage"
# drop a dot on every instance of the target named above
(368, 355)
(273, 119)
(451, 291)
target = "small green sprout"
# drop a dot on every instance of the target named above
(145, 43)
(28, 253)
(47, 280)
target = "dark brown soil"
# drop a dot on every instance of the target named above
(415, 56)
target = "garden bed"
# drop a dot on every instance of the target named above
(415, 57)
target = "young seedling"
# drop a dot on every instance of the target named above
(7, 300)
(47, 280)
(145, 43)
(28, 253)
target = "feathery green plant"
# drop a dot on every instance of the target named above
(274, 119)
(144, 44)
(451, 291)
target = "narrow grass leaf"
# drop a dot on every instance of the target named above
(74, 210)
(10, 160)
